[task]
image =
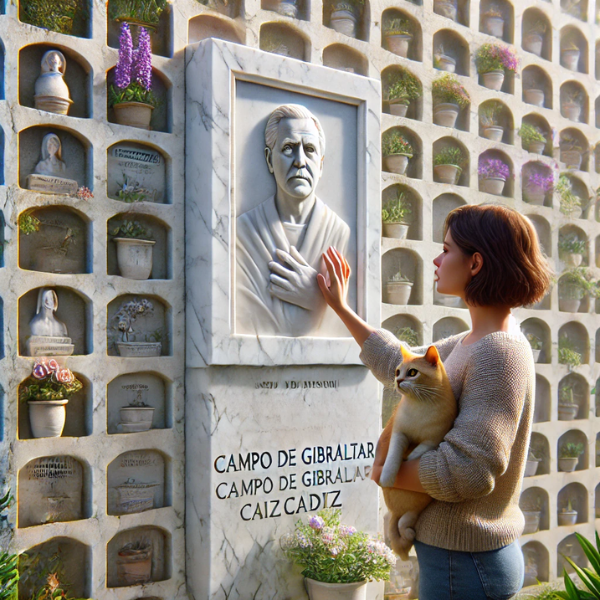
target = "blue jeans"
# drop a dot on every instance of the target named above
(451, 575)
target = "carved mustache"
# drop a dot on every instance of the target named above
(301, 174)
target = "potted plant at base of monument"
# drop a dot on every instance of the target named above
(493, 21)
(569, 456)
(569, 56)
(398, 33)
(571, 249)
(570, 203)
(533, 38)
(145, 13)
(47, 391)
(400, 88)
(447, 165)
(397, 151)
(532, 510)
(568, 408)
(493, 61)
(567, 355)
(567, 515)
(131, 95)
(395, 215)
(344, 15)
(493, 174)
(337, 561)
(490, 120)
(134, 249)
(532, 464)
(536, 345)
(532, 138)
(126, 317)
(62, 16)
(398, 289)
(449, 97)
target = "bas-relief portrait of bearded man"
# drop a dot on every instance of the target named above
(280, 241)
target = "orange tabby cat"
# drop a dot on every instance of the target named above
(422, 418)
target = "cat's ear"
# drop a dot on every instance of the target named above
(432, 356)
(406, 354)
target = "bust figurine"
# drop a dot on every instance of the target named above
(51, 91)
(51, 163)
(49, 336)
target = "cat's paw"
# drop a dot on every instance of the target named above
(408, 535)
(387, 481)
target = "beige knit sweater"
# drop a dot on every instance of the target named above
(475, 474)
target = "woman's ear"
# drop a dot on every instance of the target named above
(476, 264)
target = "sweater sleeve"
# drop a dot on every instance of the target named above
(476, 451)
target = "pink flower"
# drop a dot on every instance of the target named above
(316, 523)
(52, 365)
(65, 376)
(40, 371)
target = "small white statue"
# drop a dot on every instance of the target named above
(51, 91)
(51, 163)
(45, 323)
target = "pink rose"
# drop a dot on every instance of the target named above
(65, 376)
(40, 371)
(52, 365)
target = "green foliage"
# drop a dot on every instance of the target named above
(397, 210)
(452, 155)
(402, 85)
(398, 26)
(576, 283)
(331, 552)
(530, 133)
(567, 355)
(141, 11)
(393, 142)
(407, 335)
(134, 92)
(489, 115)
(62, 16)
(9, 576)
(28, 223)
(569, 201)
(571, 450)
(131, 195)
(571, 244)
(590, 576)
(132, 230)
(565, 396)
(447, 88)
(534, 341)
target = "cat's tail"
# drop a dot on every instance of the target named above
(402, 533)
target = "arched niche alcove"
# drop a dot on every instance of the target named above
(414, 201)
(296, 9)
(357, 24)
(147, 547)
(597, 124)
(137, 481)
(76, 154)
(572, 234)
(597, 459)
(537, 563)
(154, 230)
(151, 331)
(414, 170)
(395, 80)
(207, 25)
(2, 75)
(409, 264)
(597, 346)
(569, 547)
(161, 36)
(492, 115)
(74, 310)
(281, 38)
(541, 448)
(574, 102)
(543, 402)
(390, 19)
(2, 413)
(455, 10)
(535, 500)
(79, 418)
(575, 8)
(574, 389)
(61, 243)
(597, 501)
(573, 49)
(149, 391)
(537, 181)
(344, 58)
(497, 18)
(78, 77)
(449, 43)
(162, 115)
(76, 560)
(442, 205)
(3, 222)
(537, 86)
(575, 494)
(406, 328)
(544, 232)
(571, 139)
(543, 126)
(54, 489)
(536, 33)
(495, 155)
(580, 189)
(80, 25)
(597, 252)
(538, 334)
(569, 299)
(574, 335)
(574, 436)
(447, 327)
(440, 145)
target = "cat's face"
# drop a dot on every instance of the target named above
(419, 377)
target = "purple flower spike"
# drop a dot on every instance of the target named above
(142, 61)
(123, 69)
(316, 523)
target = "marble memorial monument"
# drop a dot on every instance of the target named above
(49, 173)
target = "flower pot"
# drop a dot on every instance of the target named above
(573, 259)
(493, 80)
(447, 173)
(534, 96)
(494, 26)
(47, 417)
(398, 44)
(567, 465)
(536, 354)
(445, 8)
(492, 185)
(446, 63)
(319, 590)
(397, 231)
(531, 467)
(493, 132)
(568, 304)
(396, 163)
(287, 8)
(398, 292)
(134, 114)
(134, 257)
(534, 194)
(570, 59)
(398, 108)
(139, 349)
(533, 42)
(136, 418)
(532, 521)
(571, 158)
(575, 213)
(568, 517)
(567, 412)
(53, 104)
(536, 147)
(343, 21)
(571, 110)
(445, 114)
(134, 567)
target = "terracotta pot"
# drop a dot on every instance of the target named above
(398, 108)
(446, 63)
(134, 114)
(139, 349)
(571, 158)
(531, 467)
(447, 173)
(568, 305)
(534, 194)
(492, 185)
(445, 114)
(47, 417)
(134, 257)
(567, 465)
(534, 96)
(494, 26)
(568, 517)
(318, 590)
(398, 292)
(396, 163)
(573, 260)
(134, 567)
(532, 521)
(493, 80)
(397, 231)
(493, 133)
(571, 110)
(398, 44)
(567, 412)
(53, 104)
(343, 21)
(445, 8)
(570, 59)
(533, 42)
(536, 147)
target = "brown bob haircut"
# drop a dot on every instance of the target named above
(514, 272)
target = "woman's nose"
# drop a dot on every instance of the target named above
(437, 260)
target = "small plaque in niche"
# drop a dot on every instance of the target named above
(51, 185)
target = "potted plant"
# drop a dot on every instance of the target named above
(570, 203)
(571, 248)
(445, 8)
(532, 138)
(567, 355)
(493, 174)
(337, 561)
(398, 289)
(126, 317)
(447, 165)
(534, 94)
(490, 120)
(536, 185)
(344, 15)
(134, 563)
(395, 215)
(397, 151)
(442, 60)
(493, 21)
(398, 33)
(569, 56)
(567, 515)
(533, 38)
(134, 249)
(400, 88)
(493, 60)
(449, 96)
(145, 13)
(62, 16)
(571, 152)
(574, 285)
(131, 95)
(571, 104)
(569, 456)
(407, 335)
(568, 408)
(532, 464)
(47, 391)
(536, 345)
(532, 510)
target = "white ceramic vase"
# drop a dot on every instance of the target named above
(533, 42)
(573, 259)
(534, 194)
(531, 467)
(493, 80)
(534, 96)
(134, 257)
(568, 304)
(493, 133)
(398, 292)
(318, 590)
(343, 21)
(446, 63)
(567, 465)
(570, 59)
(567, 412)
(447, 173)
(568, 517)
(571, 110)
(492, 185)
(532, 521)
(398, 108)
(136, 418)
(494, 26)
(47, 417)
(536, 147)
(445, 114)
(396, 163)
(399, 44)
(397, 231)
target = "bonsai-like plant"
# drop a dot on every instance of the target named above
(534, 341)
(407, 335)
(571, 450)
(331, 552)
(489, 116)
(49, 381)
(397, 210)
(393, 142)
(567, 355)
(531, 133)
(451, 155)
(129, 313)
(133, 73)
(569, 201)
(492, 168)
(496, 57)
(398, 26)
(447, 88)
(402, 86)
(569, 507)
(61, 16)
(571, 244)
(132, 230)
(137, 11)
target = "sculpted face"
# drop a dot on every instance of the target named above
(296, 160)
(48, 300)
(52, 146)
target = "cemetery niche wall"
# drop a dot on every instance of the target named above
(273, 443)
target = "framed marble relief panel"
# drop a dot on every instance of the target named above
(282, 163)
